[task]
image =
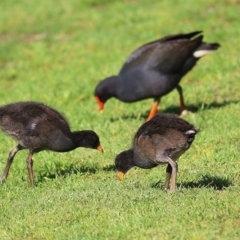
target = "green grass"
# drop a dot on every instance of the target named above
(56, 52)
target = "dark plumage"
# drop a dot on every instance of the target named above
(162, 140)
(37, 127)
(154, 70)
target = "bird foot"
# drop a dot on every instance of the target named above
(185, 112)
(170, 190)
(2, 180)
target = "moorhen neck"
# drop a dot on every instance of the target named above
(154, 70)
(37, 127)
(161, 140)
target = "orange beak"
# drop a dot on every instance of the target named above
(100, 103)
(100, 149)
(120, 175)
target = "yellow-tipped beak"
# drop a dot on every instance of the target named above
(120, 176)
(101, 111)
(100, 149)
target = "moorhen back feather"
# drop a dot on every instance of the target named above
(154, 70)
(161, 140)
(37, 127)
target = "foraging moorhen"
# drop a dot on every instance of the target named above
(37, 127)
(161, 140)
(154, 70)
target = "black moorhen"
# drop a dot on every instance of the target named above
(161, 140)
(37, 127)
(154, 70)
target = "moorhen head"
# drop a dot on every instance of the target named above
(37, 127)
(154, 70)
(161, 140)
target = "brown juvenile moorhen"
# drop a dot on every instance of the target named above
(154, 70)
(162, 140)
(37, 127)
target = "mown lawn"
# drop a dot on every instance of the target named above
(56, 52)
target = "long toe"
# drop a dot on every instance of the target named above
(172, 188)
(185, 112)
(2, 179)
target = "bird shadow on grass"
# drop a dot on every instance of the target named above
(109, 168)
(129, 116)
(176, 110)
(200, 107)
(206, 181)
(59, 170)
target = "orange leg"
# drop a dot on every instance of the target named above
(153, 109)
(182, 105)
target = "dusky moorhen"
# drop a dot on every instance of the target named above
(37, 127)
(154, 70)
(161, 140)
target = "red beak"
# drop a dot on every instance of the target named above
(100, 103)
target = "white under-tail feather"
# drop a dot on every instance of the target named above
(200, 53)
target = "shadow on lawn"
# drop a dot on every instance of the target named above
(201, 106)
(142, 116)
(206, 181)
(109, 168)
(60, 171)
(176, 110)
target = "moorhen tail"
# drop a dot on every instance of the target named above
(161, 140)
(37, 127)
(154, 70)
